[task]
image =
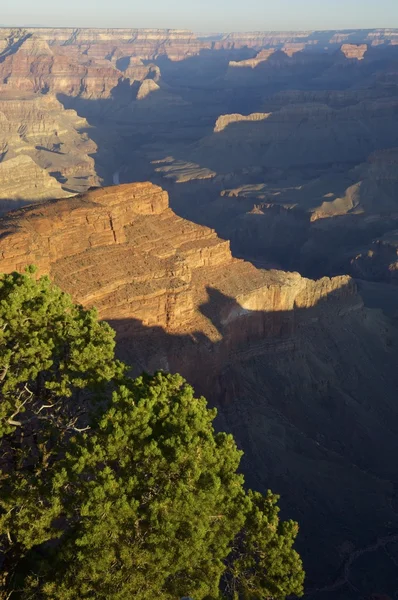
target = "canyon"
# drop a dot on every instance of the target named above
(249, 242)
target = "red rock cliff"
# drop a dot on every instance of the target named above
(123, 250)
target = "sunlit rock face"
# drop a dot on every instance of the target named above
(354, 51)
(45, 151)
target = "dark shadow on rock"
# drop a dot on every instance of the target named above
(202, 70)
(7, 205)
(122, 63)
(14, 46)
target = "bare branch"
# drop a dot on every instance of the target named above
(4, 373)
(79, 430)
(45, 406)
(19, 409)
(14, 423)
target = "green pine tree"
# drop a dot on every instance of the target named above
(145, 503)
(56, 359)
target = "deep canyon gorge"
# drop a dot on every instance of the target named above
(229, 203)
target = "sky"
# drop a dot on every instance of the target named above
(203, 15)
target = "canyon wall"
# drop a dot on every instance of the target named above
(148, 44)
(39, 138)
(39, 80)
(123, 250)
(224, 120)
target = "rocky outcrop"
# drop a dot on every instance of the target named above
(225, 120)
(32, 66)
(123, 250)
(65, 228)
(181, 171)
(262, 56)
(379, 263)
(147, 87)
(137, 71)
(354, 51)
(292, 49)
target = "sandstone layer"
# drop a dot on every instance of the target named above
(158, 264)
(40, 76)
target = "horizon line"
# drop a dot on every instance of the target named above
(207, 33)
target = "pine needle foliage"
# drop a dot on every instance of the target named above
(114, 488)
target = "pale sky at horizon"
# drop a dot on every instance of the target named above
(203, 15)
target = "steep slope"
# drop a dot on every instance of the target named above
(302, 373)
(22, 181)
(39, 127)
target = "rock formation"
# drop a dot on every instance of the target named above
(307, 38)
(262, 56)
(380, 261)
(21, 179)
(149, 44)
(225, 120)
(181, 171)
(354, 51)
(99, 43)
(147, 87)
(32, 66)
(137, 71)
(298, 135)
(293, 48)
(120, 222)
(52, 143)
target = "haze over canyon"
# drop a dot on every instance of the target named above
(229, 203)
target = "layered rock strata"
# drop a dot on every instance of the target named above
(123, 250)
(176, 44)
(52, 141)
(32, 66)
(22, 179)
